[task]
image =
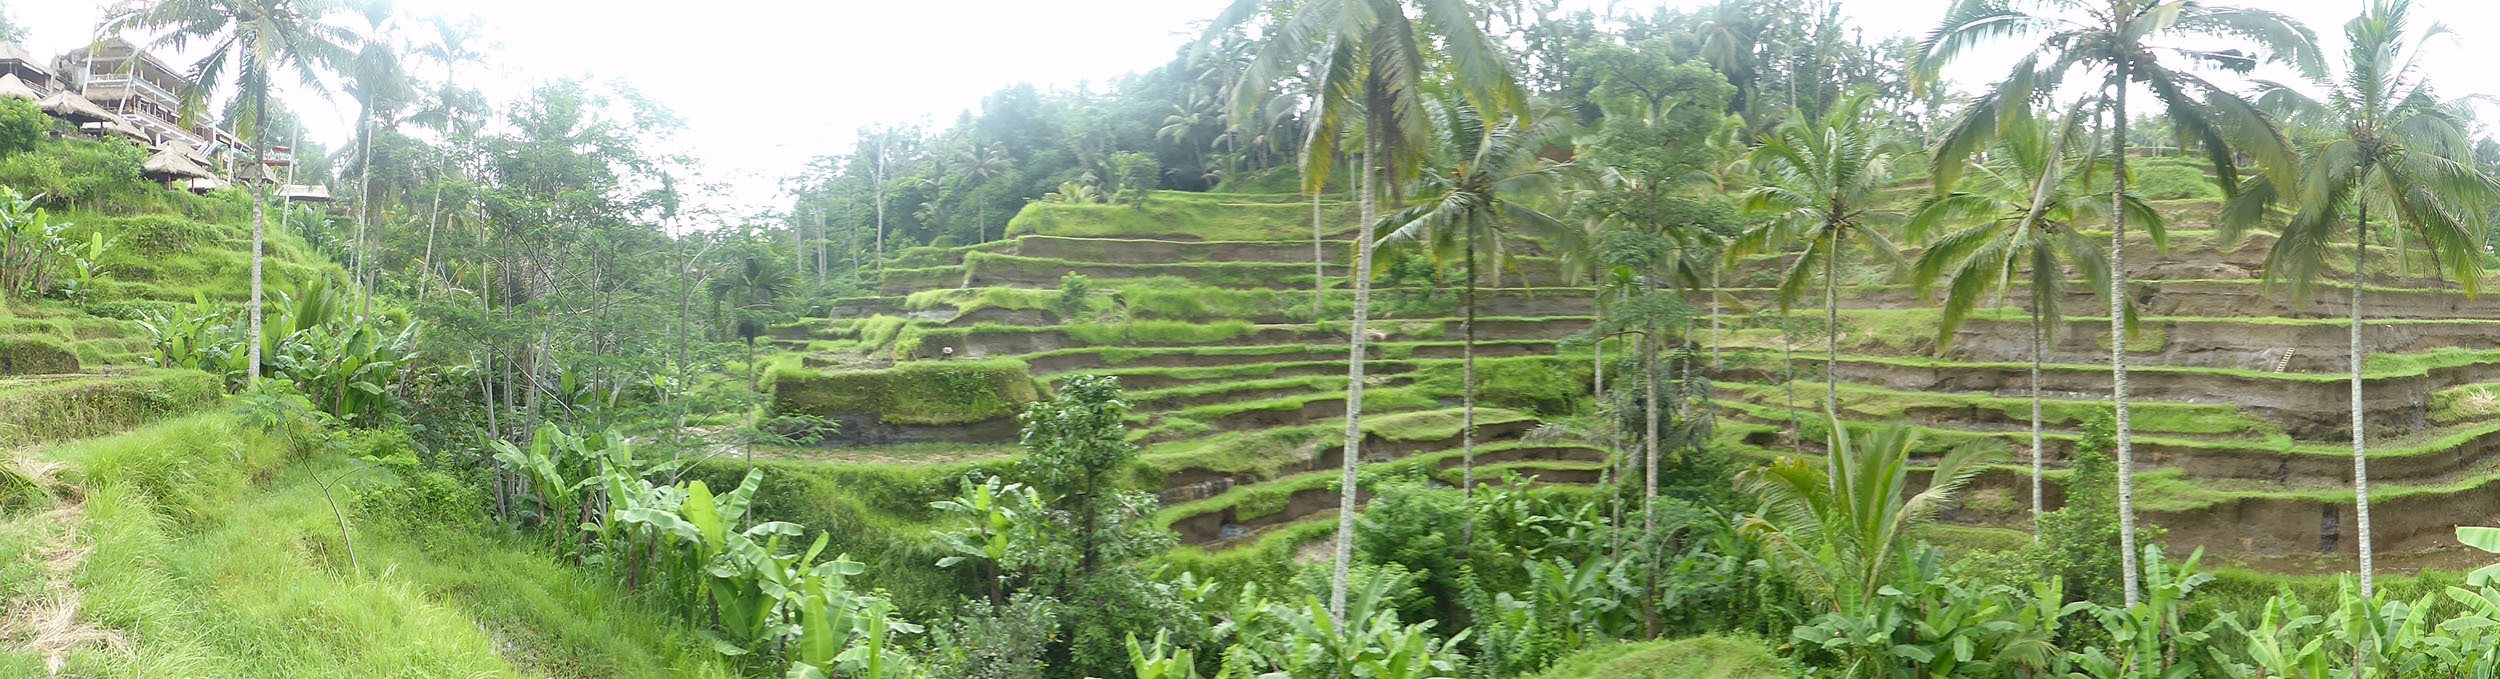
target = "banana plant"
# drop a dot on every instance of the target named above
(1368, 642)
(2390, 638)
(2148, 639)
(1161, 660)
(842, 632)
(541, 465)
(991, 527)
(2288, 641)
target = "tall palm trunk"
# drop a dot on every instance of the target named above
(2037, 330)
(1467, 402)
(260, 222)
(364, 208)
(1714, 318)
(433, 221)
(1831, 330)
(1649, 471)
(2360, 450)
(1319, 262)
(2118, 338)
(1649, 435)
(1370, 211)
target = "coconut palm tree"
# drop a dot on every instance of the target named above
(379, 83)
(1470, 213)
(985, 163)
(2127, 44)
(2017, 217)
(1837, 527)
(2379, 140)
(250, 43)
(1371, 62)
(1823, 182)
(748, 289)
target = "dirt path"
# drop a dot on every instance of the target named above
(48, 625)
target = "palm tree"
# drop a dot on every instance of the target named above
(748, 289)
(1837, 527)
(984, 163)
(1473, 205)
(2128, 43)
(1368, 61)
(2018, 217)
(1822, 182)
(378, 82)
(2379, 140)
(250, 43)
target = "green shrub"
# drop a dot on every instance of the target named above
(922, 393)
(21, 126)
(28, 355)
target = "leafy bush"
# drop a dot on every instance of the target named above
(1075, 290)
(21, 126)
(87, 174)
(348, 365)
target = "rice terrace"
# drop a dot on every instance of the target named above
(1249, 339)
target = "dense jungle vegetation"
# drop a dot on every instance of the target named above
(1363, 338)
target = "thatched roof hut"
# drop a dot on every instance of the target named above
(74, 108)
(171, 164)
(13, 87)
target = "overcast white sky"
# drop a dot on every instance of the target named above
(854, 63)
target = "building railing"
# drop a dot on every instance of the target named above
(143, 83)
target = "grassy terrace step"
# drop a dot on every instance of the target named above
(979, 341)
(1181, 299)
(1233, 458)
(1093, 358)
(61, 407)
(1245, 509)
(1281, 411)
(1153, 251)
(1176, 215)
(2004, 335)
(2210, 421)
(984, 269)
(2238, 298)
(2444, 454)
(2310, 407)
(2193, 254)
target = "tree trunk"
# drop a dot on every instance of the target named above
(2118, 339)
(433, 222)
(1831, 333)
(1649, 476)
(260, 223)
(364, 211)
(2360, 450)
(1369, 211)
(1467, 404)
(1319, 263)
(1649, 436)
(2036, 340)
(880, 253)
(1714, 318)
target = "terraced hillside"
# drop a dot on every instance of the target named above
(1203, 306)
(2240, 392)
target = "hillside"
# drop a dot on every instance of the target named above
(151, 526)
(1202, 306)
